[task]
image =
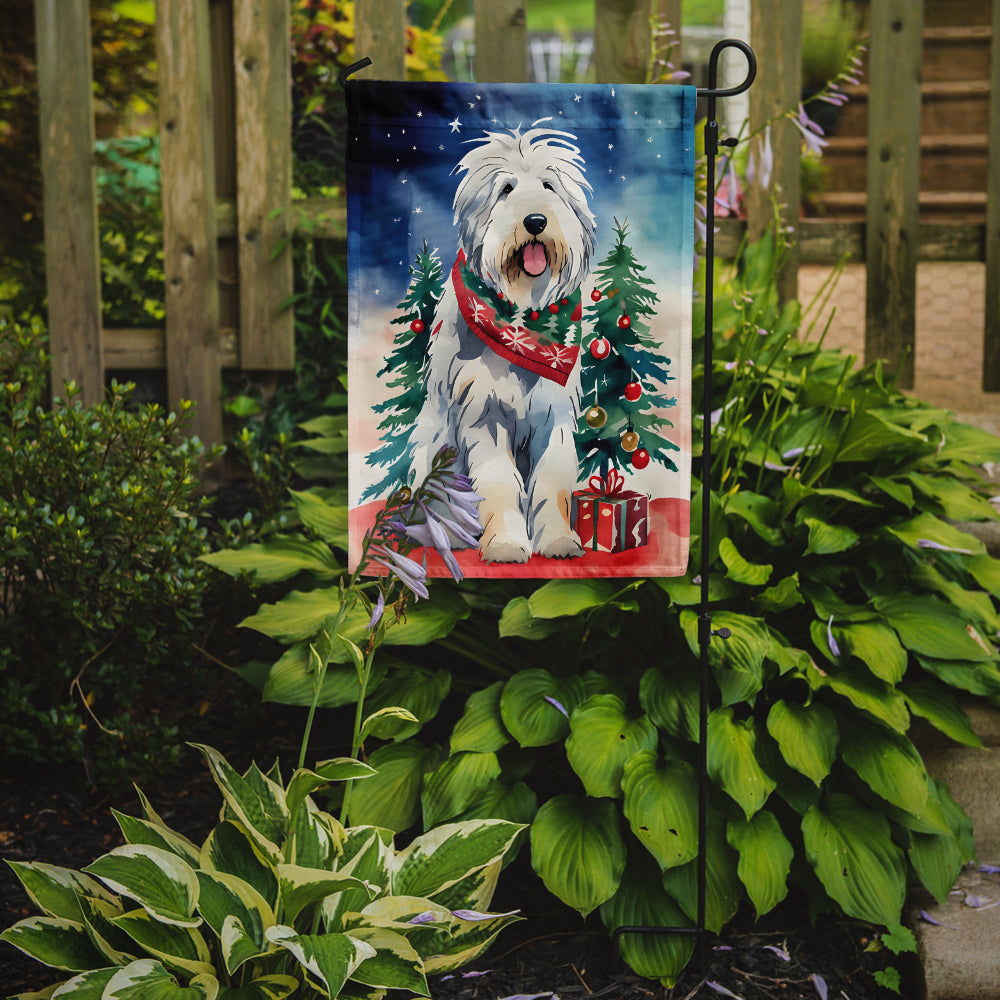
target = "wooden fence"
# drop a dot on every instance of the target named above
(226, 161)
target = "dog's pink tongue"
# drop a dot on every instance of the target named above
(533, 256)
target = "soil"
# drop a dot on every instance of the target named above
(551, 952)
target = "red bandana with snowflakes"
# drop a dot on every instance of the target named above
(511, 337)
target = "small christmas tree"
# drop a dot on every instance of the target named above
(405, 367)
(623, 376)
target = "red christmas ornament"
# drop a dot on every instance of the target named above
(554, 308)
(624, 322)
(600, 348)
(640, 458)
(417, 326)
(633, 391)
(534, 314)
(596, 295)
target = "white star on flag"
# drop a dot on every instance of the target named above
(456, 125)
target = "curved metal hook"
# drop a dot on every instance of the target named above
(353, 68)
(713, 69)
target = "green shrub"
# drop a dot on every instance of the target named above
(99, 542)
(279, 900)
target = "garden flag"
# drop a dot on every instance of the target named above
(520, 274)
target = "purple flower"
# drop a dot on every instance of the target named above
(761, 163)
(834, 648)
(475, 915)
(719, 988)
(780, 952)
(820, 983)
(927, 543)
(377, 612)
(811, 132)
(427, 917)
(558, 705)
(411, 574)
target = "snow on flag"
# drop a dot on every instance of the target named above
(520, 274)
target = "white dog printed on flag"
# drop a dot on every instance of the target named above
(520, 292)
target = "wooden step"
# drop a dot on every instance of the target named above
(947, 162)
(957, 206)
(956, 53)
(945, 12)
(946, 106)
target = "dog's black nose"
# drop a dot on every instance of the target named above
(535, 223)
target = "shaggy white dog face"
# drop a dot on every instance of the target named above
(522, 214)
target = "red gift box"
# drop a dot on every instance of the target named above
(609, 518)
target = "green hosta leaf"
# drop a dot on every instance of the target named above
(441, 857)
(671, 700)
(180, 948)
(274, 987)
(386, 723)
(986, 571)
(975, 605)
(723, 889)
(327, 520)
(972, 445)
(141, 831)
(578, 851)
(865, 692)
(941, 709)
(279, 558)
(732, 760)
(304, 782)
(602, 738)
(456, 784)
(758, 511)
(54, 941)
(870, 436)
(850, 847)
(481, 728)
(976, 678)
(147, 979)
(530, 706)
(738, 661)
(641, 901)
(466, 941)
(739, 569)
(783, 595)
(391, 798)
(225, 897)
(957, 501)
(159, 881)
(418, 691)
(937, 858)
(230, 849)
(261, 809)
(876, 646)
(291, 680)
(807, 736)
(893, 488)
(888, 763)
(395, 964)
(765, 858)
(661, 799)
(559, 598)
(928, 528)
(330, 959)
(827, 539)
(517, 620)
(56, 891)
(516, 803)
(301, 887)
(931, 628)
(684, 593)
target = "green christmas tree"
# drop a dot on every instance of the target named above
(404, 368)
(623, 376)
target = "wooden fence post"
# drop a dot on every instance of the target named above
(892, 214)
(190, 251)
(72, 255)
(380, 34)
(501, 41)
(622, 40)
(776, 35)
(262, 60)
(991, 332)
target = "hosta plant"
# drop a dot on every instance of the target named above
(279, 900)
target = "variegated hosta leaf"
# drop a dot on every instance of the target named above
(87, 986)
(147, 979)
(304, 782)
(850, 847)
(225, 897)
(367, 853)
(535, 706)
(177, 947)
(300, 887)
(578, 851)
(602, 738)
(329, 959)
(456, 784)
(732, 760)
(395, 964)
(256, 801)
(141, 831)
(158, 880)
(230, 849)
(54, 941)
(642, 902)
(56, 891)
(765, 858)
(481, 727)
(468, 939)
(275, 987)
(661, 800)
(315, 838)
(441, 857)
(116, 946)
(807, 736)
(476, 890)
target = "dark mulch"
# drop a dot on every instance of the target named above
(551, 951)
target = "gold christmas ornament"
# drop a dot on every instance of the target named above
(596, 416)
(630, 441)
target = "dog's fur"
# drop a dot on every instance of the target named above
(513, 429)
